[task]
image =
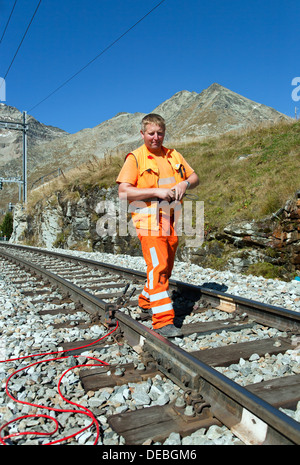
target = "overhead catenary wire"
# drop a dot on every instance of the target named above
(8, 21)
(22, 40)
(97, 56)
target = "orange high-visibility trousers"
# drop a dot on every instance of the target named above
(159, 254)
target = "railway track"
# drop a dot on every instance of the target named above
(108, 295)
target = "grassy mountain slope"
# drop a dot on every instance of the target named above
(246, 175)
(243, 175)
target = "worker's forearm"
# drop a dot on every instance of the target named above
(130, 193)
(193, 180)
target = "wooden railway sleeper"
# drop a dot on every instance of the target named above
(191, 396)
(96, 318)
(181, 374)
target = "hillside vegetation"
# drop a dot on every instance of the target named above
(247, 175)
(244, 175)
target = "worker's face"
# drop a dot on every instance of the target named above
(153, 137)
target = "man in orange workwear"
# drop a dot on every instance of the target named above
(154, 180)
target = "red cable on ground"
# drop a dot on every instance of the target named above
(82, 410)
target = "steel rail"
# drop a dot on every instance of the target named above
(247, 415)
(281, 318)
(91, 303)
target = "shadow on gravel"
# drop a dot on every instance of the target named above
(186, 302)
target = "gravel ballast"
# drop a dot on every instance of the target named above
(23, 331)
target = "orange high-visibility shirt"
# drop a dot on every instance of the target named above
(129, 171)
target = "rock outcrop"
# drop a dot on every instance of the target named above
(84, 222)
(274, 240)
(80, 223)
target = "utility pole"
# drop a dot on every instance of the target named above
(24, 157)
(19, 127)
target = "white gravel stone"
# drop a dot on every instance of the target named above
(23, 331)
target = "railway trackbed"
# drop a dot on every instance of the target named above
(206, 396)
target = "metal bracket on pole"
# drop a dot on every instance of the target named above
(19, 127)
(16, 180)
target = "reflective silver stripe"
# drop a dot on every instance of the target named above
(145, 294)
(163, 181)
(162, 308)
(155, 262)
(148, 210)
(159, 296)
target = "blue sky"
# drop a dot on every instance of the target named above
(250, 47)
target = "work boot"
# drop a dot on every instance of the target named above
(169, 331)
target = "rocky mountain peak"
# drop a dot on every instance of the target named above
(189, 116)
(37, 129)
(216, 110)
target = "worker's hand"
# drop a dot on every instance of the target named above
(166, 194)
(179, 190)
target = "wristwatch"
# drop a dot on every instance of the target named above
(188, 184)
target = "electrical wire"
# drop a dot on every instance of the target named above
(7, 23)
(22, 40)
(81, 409)
(97, 56)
